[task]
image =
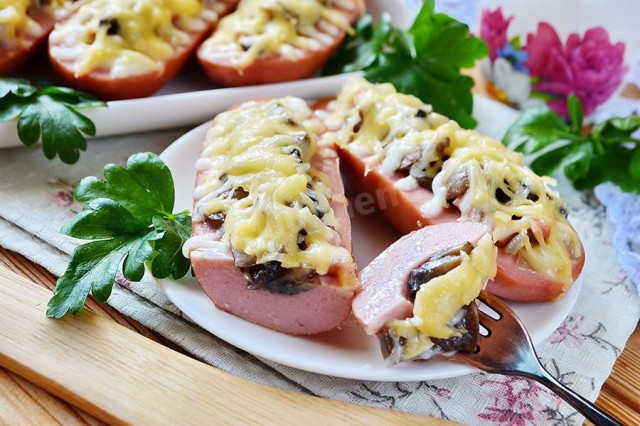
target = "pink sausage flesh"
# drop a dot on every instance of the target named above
(384, 280)
(320, 309)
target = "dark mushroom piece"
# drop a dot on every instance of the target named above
(273, 277)
(113, 26)
(439, 264)
(457, 187)
(469, 334)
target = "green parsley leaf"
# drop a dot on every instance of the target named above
(48, 113)
(129, 223)
(424, 61)
(616, 129)
(608, 153)
(575, 113)
(144, 187)
(169, 259)
(535, 129)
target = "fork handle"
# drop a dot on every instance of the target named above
(585, 407)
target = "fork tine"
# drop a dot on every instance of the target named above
(494, 303)
(486, 319)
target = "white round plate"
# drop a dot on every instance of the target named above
(346, 351)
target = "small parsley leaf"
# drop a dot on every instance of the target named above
(535, 129)
(48, 113)
(608, 153)
(424, 61)
(129, 223)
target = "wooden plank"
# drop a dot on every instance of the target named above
(625, 414)
(26, 403)
(625, 378)
(121, 377)
(36, 273)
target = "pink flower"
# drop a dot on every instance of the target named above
(63, 198)
(493, 30)
(568, 332)
(515, 400)
(591, 67)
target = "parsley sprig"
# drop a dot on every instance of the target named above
(49, 113)
(129, 221)
(424, 61)
(608, 152)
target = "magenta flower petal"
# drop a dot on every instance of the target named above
(493, 30)
(541, 47)
(590, 66)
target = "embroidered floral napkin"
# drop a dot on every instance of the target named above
(36, 199)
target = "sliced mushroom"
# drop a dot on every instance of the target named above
(469, 327)
(439, 264)
(215, 220)
(515, 244)
(241, 259)
(271, 276)
(112, 24)
(457, 187)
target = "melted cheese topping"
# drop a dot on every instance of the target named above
(490, 183)
(266, 149)
(16, 18)
(262, 28)
(439, 300)
(129, 37)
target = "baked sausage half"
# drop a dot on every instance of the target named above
(421, 168)
(268, 41)
(24, 27)
(418, 296)
(271, 234)
(121, 49)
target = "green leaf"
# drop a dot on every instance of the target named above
(574, 106)
(441, 40)
(92, 269)
(546, 164)
(103, 218)
(535, 129)
(515, 42)
(16, 86)
(611, 165)
(619, 128)
(634, 164)
(11, 106)
(48, 112)
(145, 187)
(169, 259)
(424, 61)
(128, 217)
(577, 162)
(29, 125)
(71, 97)
(60, 131)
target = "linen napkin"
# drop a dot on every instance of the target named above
(36, 199)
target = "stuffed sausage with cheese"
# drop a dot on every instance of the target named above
(422, 168)
(271, 235)
(418, 296)
(24, 27)
(268, 41)
(120, 49)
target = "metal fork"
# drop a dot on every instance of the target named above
(506, 348)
